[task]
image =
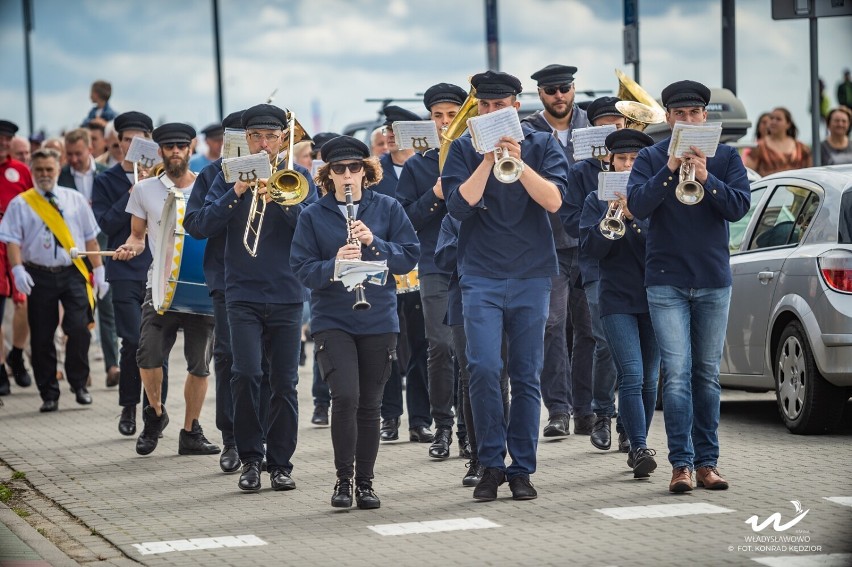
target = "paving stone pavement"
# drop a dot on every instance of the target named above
(77, 459)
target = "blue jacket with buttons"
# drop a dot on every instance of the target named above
(266, 278)
(423, 207)
(388, 184)
(321, 232)
(214, 250)
(506, 234)
(688, 244)
(582, 180)
(622, 261)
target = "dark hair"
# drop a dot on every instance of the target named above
(96, 125)
(46, 153)
(103, 89)
(842, 110)
(372, 175)
(792, 131)
(757, 125)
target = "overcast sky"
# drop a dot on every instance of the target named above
(332, 54)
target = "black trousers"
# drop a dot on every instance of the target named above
(356, 368)
(67, 287)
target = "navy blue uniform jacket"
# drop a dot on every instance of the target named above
(214, 251)
(446, 255)
(506, 234)
(423, 207)
(387, 186)
(622, 261)
(582, 180)
(322, 231)
(110, 193)
(688, 245)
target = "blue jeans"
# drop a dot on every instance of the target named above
(637, 359)
(690, 326)
(517, 307)
(274, 330)
(603, 369)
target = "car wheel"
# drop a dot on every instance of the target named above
(806, 402)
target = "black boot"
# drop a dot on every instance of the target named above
(15, 360)
(365, 497)
(342, 497)
(154, 425)
(195, 443)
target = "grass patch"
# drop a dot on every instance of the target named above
(5, 493)
(21, 512)
(19, 475)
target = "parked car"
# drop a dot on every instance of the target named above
(790, 323)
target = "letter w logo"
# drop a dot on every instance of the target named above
(775, 519)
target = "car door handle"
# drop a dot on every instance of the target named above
(764, 277)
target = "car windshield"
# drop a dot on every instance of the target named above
(844, 235)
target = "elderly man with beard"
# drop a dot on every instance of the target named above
(146, 203)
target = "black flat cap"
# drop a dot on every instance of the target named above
(443, 92)
(215, 130)
(234, 120)
(344, 147)
(133, 121)
(320, 138)
(603, 106)
(173, 133)
(685, 93)
(265, 117)
(8, 128)
(494, 84)
(626, 140)
(554, 75)
(395, 113)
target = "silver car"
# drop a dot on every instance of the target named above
(790, 322)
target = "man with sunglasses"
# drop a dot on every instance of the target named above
(566, 380)
(158, 332)
(264, 306)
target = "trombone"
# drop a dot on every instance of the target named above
(286, 187)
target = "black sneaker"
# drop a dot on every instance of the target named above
(522, 488)
(320, 416)
(342, 496)
(643, 462)
(473, 474)
(630, 459)
(150, 436)
(195, 443)
(365, 497)
(19, 371)
(486, 488)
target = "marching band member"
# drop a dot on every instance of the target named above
(419, 191)
(506, 260)
(623, 306)
(158, 332)
(354, 349)
(688, 282)
(264, 307)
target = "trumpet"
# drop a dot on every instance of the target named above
(507, 169)
(285, 187)
(612, 225)
(361, 302)
(688, 190)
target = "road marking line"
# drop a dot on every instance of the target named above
(842, 500)
(433, 526)
(821, 560)
(152, 547)
(662, 511)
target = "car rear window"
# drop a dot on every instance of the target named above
(844, 235)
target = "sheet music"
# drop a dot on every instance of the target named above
(247, 168)
(486, 130)
(144, 152)
(353, 272)
(590, 142)
(418, 135)
(612, 182)
(235, 144)
(705, 136)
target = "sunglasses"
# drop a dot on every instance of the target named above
(179, 145)
(340, 168)
(552, 90)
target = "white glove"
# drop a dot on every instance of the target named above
(23, 280)
(101, 285)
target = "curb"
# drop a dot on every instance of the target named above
(40, 545)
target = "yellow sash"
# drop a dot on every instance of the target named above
(56, 224)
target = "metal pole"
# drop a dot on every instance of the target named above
(636, 76)
(28, 27)
(218, 55)
(491, 35)
(815, 115)
(729, 45)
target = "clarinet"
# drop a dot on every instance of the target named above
(360, 298)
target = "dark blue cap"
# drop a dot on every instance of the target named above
(397, 113)
(443, 92)
(214, 130)
(234, 120)
(603, 106)
(265, 117)
(685, 93)
(343, 148)
(8, 128)
(626, 140)
(173, 133)
(554, 75)
(494, 84)
(133, 121)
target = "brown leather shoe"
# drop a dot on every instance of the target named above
(709, 478)
(681, 480)
(112, 377)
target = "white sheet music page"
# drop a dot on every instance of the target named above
(247, 168)
(235, 144)
(612, 182)
(143, 151)
(589, 142)
(418, 135)
(486, 130)
(705, 136)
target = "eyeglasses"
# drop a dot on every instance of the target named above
(340, 168)
(552, 90)
(256, 137)
(172, 145)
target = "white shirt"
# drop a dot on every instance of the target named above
(84, 180)
(22, 226)
(147, 201)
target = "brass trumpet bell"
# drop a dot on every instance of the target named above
(638, 107)
(688, 191)
(456, 128)
(507, 169)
